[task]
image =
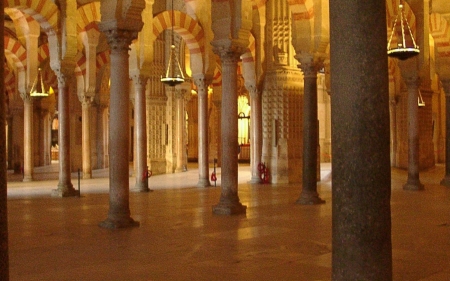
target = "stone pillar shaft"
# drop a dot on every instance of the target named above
(203, 155)
(119, 206)
(141, 134)
(413, 181)
(255, 134)
(28, 139)
(86, 135)
(180, 123)
(229, 200)
(309, 195)
(361, 216)
(65, 187)
(446, 180)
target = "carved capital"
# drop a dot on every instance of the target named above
(118, 39)
(228, 53)
(85, 100)
(26, 97)
(309, 65)
(139, 80)
(202, 83)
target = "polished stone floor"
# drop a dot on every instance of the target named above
(180, 239)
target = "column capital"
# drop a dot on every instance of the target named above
(228, 53)
(309, 64)
(412, 82)
(139, 79)
(202, 82)
(86, 100)
(119, 39)
(26, 97)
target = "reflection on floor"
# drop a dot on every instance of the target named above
(180, 239)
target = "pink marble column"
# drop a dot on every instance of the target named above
(86, 104)
(255, 132)
(28, 138)
(141, 134)
(119, 107)
(229, 203)
(203, 156)
(446, 180)
(413, 181)
(65, 187)
(309, 195)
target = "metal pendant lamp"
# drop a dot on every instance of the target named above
(174, 73)
(38, 88)
(406, 45)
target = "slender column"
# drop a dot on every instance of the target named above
(4, 259)
(309, 195)
(119, 205)
(203, 155)
(141, 134)
(86, 104)
(446, 180)
(28, 138)
(229, 203)
(65, 187)
(180, 119)
(255, 132)
(361, 215)
(413, 181)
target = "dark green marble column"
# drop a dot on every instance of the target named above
(361, 179)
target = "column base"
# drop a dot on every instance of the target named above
(445, 181)
(140, 187)
(309, 198)
(413, 186)
(118, 223)
(87, 175)
(203, 183)
(255, 179)
(27, 178)
(65, 191)
(229, 208)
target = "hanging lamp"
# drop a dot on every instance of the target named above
(404, 49)
(38, 88)
(420, 101)
(174, 73)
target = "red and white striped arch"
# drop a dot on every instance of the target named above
(10, 81)
(301, 9)
(15, 51)
(189, 29)
(88, 14)
(45, 12)
(440, 30)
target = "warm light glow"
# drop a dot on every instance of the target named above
(38, 88)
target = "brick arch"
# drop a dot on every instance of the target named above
(45, 12)
(16, 51)
(87, 14)
(440, 30)
(189, 29)
(43, 53)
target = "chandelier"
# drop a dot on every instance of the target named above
(406, 45)
(38, 88)
(174, 73)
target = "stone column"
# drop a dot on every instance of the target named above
(413, 181)
(203, 129)
(65, 187)
(4, 259)
(141, 134)
(361, 216)
(229, 203)
(255, 132)
(119, 205)
(309, 195)
(27, 138)
(86, 104)
(180, 124)
(446, 180)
